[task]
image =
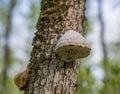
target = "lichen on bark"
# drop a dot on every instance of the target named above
(48, 74)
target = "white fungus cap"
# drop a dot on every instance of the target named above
(71, 46)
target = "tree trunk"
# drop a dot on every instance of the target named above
(7, 44)
(103, 45)
(48, 74)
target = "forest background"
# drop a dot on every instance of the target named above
(98, 73)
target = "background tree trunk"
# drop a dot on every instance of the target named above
(103, 45)
(7, 44)
(48, 74)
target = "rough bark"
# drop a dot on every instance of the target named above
(48, 74)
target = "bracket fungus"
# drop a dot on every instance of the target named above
(71, 46)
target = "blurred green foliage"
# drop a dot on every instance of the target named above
(86, 81)
(11, 88)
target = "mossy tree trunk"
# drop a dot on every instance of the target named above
(48, 74)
